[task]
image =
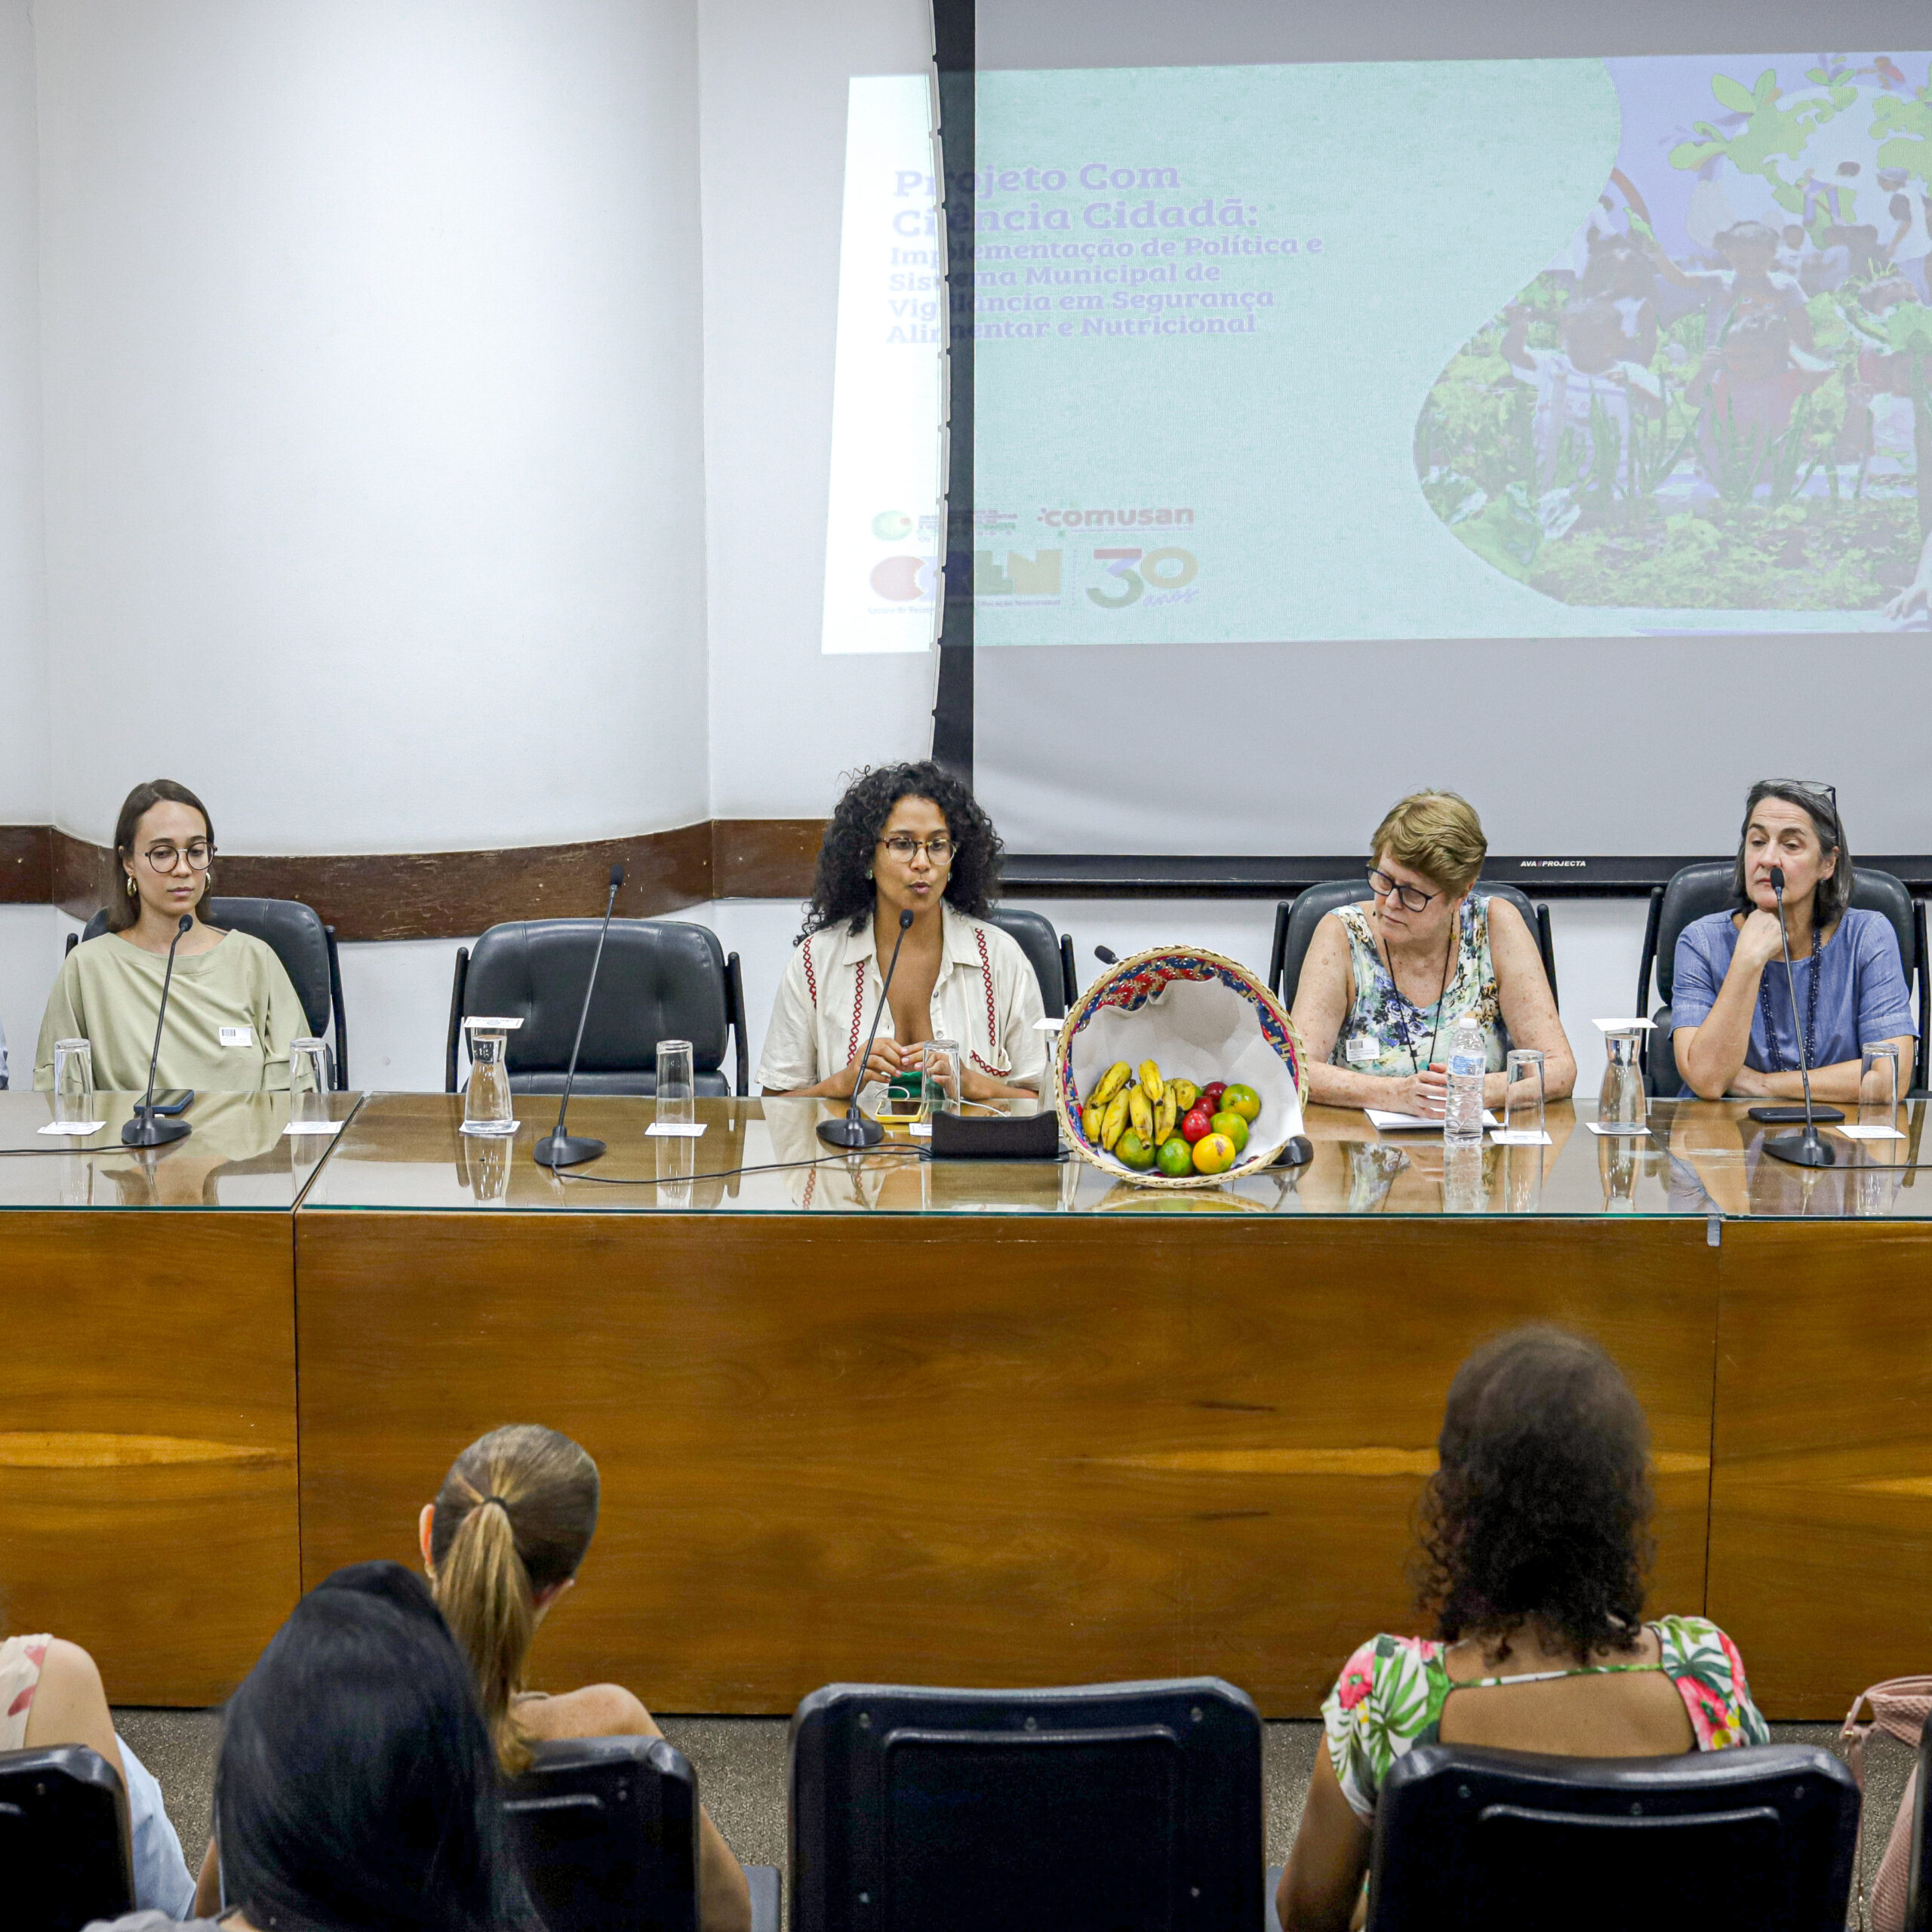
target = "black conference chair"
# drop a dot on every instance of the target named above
(1049, 953)
(1121, 1806)
(1468, 1840)
(1693, 891)
(306, 948)
(606, 1829)
(1296, 919)
(64, 1839)
(661, 980)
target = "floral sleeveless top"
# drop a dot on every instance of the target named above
(1385, 1034)
(1389, 1696)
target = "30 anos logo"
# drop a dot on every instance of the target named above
(1132, 574)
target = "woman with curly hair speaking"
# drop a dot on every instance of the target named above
(904, 838)
(1536, 1535)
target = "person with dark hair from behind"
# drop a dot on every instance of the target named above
(1733, 1029)
(502, 1544)
(356, 1787)
(906, 838)
(231, 1009)
(1535, 1541)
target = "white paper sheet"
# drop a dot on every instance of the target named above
(1385, 1122)
(1618, 1132)
(303, 1127)
(675, 1130)
(76, 1129)
(1521, 1137)
(1850, 1133)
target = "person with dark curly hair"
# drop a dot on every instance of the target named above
(904, 838)
(1535, 1543)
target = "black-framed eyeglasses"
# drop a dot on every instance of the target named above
(1410, 898)
(902, 845)
(199, 853)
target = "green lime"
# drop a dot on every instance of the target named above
(1230, 1123)
(1175, 1157)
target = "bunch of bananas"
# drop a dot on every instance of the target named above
(1140, 1100)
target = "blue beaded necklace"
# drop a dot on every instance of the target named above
(1810, 1038)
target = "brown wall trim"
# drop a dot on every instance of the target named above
(449, 895)
(26, 865)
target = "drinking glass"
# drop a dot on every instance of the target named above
(941, 1063)
(1879, 1084)
(73, 1083)
(1621, 1103)
(1523, 1092)
(486, 1099)
(308, 1082)
(677, 1089)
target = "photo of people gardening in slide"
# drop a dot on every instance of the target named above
(1719, 395)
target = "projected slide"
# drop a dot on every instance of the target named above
(1485, 349)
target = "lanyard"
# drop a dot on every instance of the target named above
(1808, 1044)
(1442, 1000)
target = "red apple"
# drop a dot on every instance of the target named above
(1211, 1095)
(1196, 1122)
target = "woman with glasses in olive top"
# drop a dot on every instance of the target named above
(907, 838)
(232, 1010)
(1387, 982)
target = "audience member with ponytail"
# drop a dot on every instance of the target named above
(502, 1543)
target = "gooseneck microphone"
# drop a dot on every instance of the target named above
(855, 1129)
(558, 1149)
(1805, 1149)
(148, 1128)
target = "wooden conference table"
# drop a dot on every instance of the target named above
(890, 1419)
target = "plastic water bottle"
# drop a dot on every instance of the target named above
(1469, 1060)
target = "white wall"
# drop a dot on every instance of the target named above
(26, 793)
(785, 720)
(372, 414)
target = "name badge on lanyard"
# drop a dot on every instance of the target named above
(1363, 1048)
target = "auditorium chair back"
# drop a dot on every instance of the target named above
(660, 980)
(606, 1829)
(1135, 1808)
(306, 948)
(1469, 1840)
(1695, 891)
(1296, 918)
(64, 1839)
(1050, 954)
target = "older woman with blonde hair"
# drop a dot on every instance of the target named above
(1387, 980)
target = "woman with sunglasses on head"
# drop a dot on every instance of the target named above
(1387, 981)
(906, 838)
(232, 1010)
(1734, 1028)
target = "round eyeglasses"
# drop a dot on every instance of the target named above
(199, 854)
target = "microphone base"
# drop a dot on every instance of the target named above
(154, 1131)
(848, 1133)
(1802, 1150)
(565, 1150)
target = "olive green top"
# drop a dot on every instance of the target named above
(109, 993)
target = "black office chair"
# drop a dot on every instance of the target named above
(1468, 1840)
(661, 980)
(1121, 1806)
(305, 947)
(1694, 891)
(1049, 953)
(1296, 919)
(606, 1829)
(64, 1839)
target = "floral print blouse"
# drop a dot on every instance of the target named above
(1385, 1034)
(1389, 1696)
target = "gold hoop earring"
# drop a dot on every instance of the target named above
(130, 877)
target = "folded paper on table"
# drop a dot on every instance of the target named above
(1850, 1133)
(675, 1129)
(1618, 1129)
(76, 1128)
(1519, 1137)
(1386, 1122)
(314, 1127)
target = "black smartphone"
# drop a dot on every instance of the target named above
(179, 1100)
(1794, 1116)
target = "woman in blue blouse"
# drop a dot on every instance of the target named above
(1735, 1030)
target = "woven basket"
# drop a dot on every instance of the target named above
(1202, 1018)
